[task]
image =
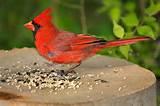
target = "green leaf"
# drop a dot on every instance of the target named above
(149, 19)
(153, 9)
(130, 6)
(129, 34)
(130, 20)
(115, 13)
(146, 31)
(124, 50)
(155, 26)
(111, 3)
(118, 30)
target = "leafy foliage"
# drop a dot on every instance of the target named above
(146, 30)
(118, 30)
(130, 20)
(139, 18)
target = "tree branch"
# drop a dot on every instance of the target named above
(142, 7)
(83, 17)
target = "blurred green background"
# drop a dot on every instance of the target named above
(109, 19)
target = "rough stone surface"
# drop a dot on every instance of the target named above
(105, 81)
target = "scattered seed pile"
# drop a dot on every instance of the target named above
(37, 78)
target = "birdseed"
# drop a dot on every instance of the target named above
(37, 79)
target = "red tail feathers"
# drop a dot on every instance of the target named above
(125, 41)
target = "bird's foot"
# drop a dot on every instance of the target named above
(63, 73)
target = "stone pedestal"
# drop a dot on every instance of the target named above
(105, 81)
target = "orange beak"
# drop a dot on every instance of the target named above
(29, 26)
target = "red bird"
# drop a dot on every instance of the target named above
(66, 47)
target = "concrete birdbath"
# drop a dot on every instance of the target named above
(26, 80)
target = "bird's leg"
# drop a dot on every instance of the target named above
(71, 70)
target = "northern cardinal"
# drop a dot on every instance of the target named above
(65, 47)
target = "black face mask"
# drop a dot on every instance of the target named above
(36, 26)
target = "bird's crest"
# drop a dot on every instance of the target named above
(44, 18)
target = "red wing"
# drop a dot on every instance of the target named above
(67, 41)
(82, 41)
